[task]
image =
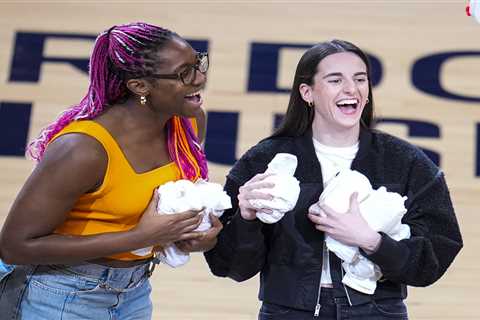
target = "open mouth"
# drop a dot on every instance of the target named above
(195, 98)
(348, 106)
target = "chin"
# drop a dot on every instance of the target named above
(350, 124)
(189, 113)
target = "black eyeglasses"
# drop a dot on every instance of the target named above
(188, 74)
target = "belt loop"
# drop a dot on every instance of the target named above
(151, 266)
(107, 274)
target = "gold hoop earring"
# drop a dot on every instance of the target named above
(310, 104)
(143, 100)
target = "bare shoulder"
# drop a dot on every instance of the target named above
(74, 157)
(72, 165)
(77, 147)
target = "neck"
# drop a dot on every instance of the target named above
(139, 120)
(335, 137)
(143, 115)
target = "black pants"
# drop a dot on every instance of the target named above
(338, 309)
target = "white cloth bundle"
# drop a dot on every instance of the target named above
(383, 212)
(285, 192)
(475, 9)
(181, 196)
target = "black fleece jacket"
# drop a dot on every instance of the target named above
(288, 254)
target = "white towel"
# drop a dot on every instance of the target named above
(361, 275)
(181, 196)
(374, 210)
(383, 212)
(342, 186)
(475, 9)
(285, 192)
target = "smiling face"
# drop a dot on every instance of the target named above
(339, 93)
(172, 96)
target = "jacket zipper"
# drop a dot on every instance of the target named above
(318, 306)
(345, 287)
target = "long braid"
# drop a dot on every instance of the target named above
(121, 53)
(186, 151)
(90, 105)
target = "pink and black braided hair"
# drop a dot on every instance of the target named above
(121, 53)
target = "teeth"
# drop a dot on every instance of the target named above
(348, 101)
(193, 94)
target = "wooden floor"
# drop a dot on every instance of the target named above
(397, 32)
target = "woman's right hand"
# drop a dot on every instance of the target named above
(164, 229)
(248, 192)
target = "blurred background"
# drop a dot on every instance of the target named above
(426, 61)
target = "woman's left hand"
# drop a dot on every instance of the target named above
(204, 243)
(349, 228)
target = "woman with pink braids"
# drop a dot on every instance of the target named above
(67, 245)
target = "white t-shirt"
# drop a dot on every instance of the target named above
(332, 160)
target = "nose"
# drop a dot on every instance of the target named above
(200, 79)
(349, 86)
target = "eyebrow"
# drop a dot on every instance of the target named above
(186, 64)
(182, 67)
(338, 74)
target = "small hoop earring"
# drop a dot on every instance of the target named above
(310, 104)
(368, 100)
(143, 100)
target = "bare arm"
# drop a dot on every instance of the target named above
(73, 165)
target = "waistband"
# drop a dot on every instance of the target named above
(117, 279)
(327, 296)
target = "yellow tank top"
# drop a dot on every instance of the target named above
(119, 202)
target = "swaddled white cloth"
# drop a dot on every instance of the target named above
(181, 196)
(383, 212)
(285, 192)
(474, 9)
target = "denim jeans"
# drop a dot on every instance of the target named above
(338, 309)
(86, 291)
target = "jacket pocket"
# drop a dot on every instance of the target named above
(270, 311)
(391, 308)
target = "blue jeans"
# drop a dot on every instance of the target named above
(80, 292)
(338, 309)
